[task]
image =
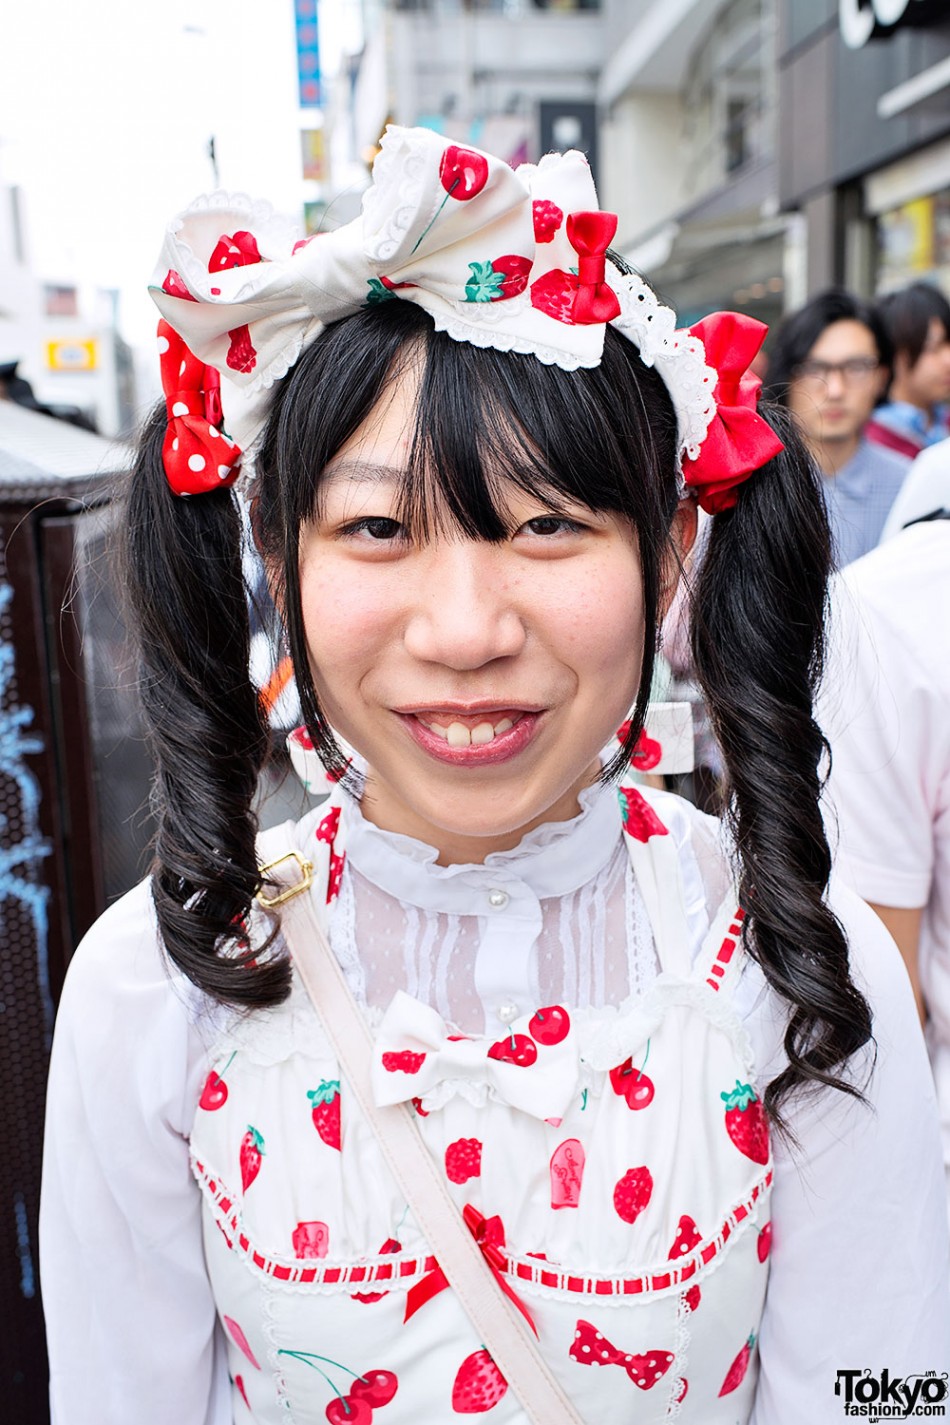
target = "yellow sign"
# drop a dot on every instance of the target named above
(72, 355)
(313, 155)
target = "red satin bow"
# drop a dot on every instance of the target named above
(196, 453)
(590, 234)
(738, 441)
(489, 1233)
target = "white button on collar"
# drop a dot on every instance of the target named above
(507, 1012)
(498, 899)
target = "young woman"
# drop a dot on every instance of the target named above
(483, 448)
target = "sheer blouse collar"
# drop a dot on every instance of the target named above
(552, 860)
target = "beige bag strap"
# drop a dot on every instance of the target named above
(497, 1322)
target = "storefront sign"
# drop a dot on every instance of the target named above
(72, 355)
(860, 20)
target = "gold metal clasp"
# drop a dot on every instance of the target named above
(304, 884)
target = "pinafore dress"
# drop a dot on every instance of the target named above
(613, 1164)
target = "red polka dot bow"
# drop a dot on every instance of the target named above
(738, 441)
(196, 453)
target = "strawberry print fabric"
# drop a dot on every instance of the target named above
(630, 1223)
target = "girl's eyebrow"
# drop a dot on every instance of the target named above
(361, 472)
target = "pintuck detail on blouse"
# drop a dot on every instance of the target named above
(613, 1165)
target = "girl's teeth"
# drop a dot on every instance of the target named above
(458, 735)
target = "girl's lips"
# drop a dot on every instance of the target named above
(502, 747)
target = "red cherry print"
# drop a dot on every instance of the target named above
(302, 737)
(240, 1340)
(311, 1239)
(240, 1385)
(550, 1025)
(548, 217)
(692, 1298)
(515, 1049)
(463, 1160)
(347, 1410)
(375, 1387)
(646, 753)
(632, 1084)
(214, 1094)
(763, 1245)
(463, 173)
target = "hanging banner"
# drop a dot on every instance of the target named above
(308, 53)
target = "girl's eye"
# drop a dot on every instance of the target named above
(548, 525)
(376, 528)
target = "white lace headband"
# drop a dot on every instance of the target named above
(511, 259)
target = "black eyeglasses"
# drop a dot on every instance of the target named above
(855, 370)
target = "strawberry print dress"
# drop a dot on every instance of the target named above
(613, 1164)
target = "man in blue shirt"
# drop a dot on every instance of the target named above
(829, 364)
(916, 413)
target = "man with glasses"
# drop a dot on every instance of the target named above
(829, 365)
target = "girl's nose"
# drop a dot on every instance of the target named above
(463, 614)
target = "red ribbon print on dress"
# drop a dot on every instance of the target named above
(591, 1348)
(489, 1233)
(738, 441)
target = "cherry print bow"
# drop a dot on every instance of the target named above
(196, 453)
(590, 235)
(533, 1067)
(489, 1233)
(591, 1348)
(738, 441)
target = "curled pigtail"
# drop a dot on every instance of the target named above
(759, 607)
(189, 612)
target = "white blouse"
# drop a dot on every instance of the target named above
(860, 1265)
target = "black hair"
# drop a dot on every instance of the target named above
(907, 315)
(798, 332)
(605, 437)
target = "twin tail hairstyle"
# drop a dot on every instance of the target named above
(604, 437)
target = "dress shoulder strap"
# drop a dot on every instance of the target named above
(720, 958)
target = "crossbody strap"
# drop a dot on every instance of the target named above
(498, 1324)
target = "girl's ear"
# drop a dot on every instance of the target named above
(682, 538)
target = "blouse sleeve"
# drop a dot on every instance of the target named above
(860, 1271)
(129, 1313)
